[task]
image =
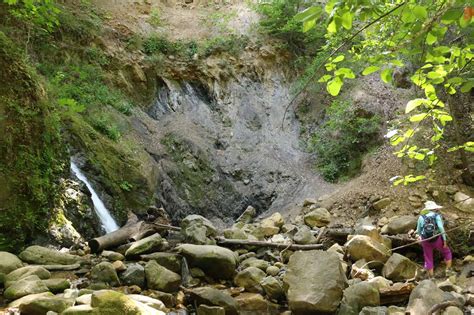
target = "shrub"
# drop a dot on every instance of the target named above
(343, 139)
(232, 44)
(155, 44)
(106, 126)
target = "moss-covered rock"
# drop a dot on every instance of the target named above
(45, 256)
(160, 278)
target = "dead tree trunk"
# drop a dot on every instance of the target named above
(224, 242)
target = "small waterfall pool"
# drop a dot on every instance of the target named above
(106, 219)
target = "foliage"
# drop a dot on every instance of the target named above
(342, 140)
(435, 36)
(41, 13)
(155, 17)
(232, 44)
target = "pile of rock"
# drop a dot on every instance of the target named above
(149, 276)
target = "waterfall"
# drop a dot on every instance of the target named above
(108, 222)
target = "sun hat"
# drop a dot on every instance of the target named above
(431, 205)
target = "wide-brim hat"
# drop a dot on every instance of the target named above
(431, 205)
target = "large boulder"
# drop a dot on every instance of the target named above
(423, 297)
(197, 229)
(250, 278)
(109, 302)
(322, 291)
(9, 262)
(254, 303)
(57, 285)
(399, 268)
(26, 271)
(304, 236)
(401, 225)
(24, 287)
(464, 202)
(357, 297)
(43, 305)
(104, 272)
(45, 256)
(146, 245)
(364, 247)
(318, 218)
(271, 225)
(273, 288)
(217, 262)
(160, 278)
(170, 261)
(214, 297)
(134, 275)
(29, 298)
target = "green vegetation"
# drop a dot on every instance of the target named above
(435, 37)
(155, 17)
(343, 139)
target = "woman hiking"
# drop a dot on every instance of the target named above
(429, 224)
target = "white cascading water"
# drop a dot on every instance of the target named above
(108, 222)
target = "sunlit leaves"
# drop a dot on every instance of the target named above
(411, 105)
(420, 12)
(386, 75)
(370, 69)
(408, 179)
(334, 86)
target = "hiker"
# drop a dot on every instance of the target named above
(430, 223)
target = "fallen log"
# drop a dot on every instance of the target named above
(132, 231)
(225, 241)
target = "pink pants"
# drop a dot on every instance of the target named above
(428, 248)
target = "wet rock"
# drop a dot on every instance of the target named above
(304, 236)
(170, 261)
(43, 305)
(57, 285)
(112, 256)
(134, 275)
(214, 297)
(318, 218)
(25, 287)
(250, 278)
(112, 302)
(423, 297)
(357, 297)
(160, 278)
(399, 268)
(254, 262)
(45, 256)
(382, 203)
(9, 262)
(218, 262)
(104, 272)
(463, 202)
(80, 310)
(272, 270)
(272, 288)
(146, 245)
(198, 230)
(29, 298)
(401, 225)
(363, 247)
(253, 303)
(27, 271)
(322, 292)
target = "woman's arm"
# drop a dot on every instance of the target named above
(419, 226)
(439, 222)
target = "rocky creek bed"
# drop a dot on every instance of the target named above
(185, 272)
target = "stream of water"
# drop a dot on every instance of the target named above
(106, 219)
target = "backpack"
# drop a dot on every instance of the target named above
(430, 227)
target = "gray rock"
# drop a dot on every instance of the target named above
(29, 298)
(112, 256)
(382, 203)
(134, 275)
(112, 302)
(217, 262)
(304, 236)
(246, 217)
(24, 287)
(235, 233)
(57, 285)
(399, 268)
(464, 202)
(272, 287)
(214, 297)
(45, 256)
(374, 310)
(250, 278)
(272, 270)
(146, 245)
(210, 310)
(198, 230)
(26, 271)
(357, 297)
(9, 262)
(395, 310)
(43, 305)
(401, 225)
(254, 303)
(160, 278)
(423, 297)
(364, 247)
(254, 262)
(81, 310)
(318, 218)
(149, 301)
(170, 261)
(453, 310)
(322, 292)
(104, 272)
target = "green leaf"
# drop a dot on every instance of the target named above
(419, 156)
(310, 13)
(386, 75)
(467, 86)
(308, 24)
(411, 105)
(408, 17)
(420, 12)
(370, 69)
(332, 27)
(334, 86)
(431, 39)
(345, 72)
(325, 78)
(445, 118)
(430, 92)
(347, 20)
(338, 58)
(418, 117)
(452, 15)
